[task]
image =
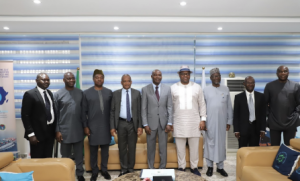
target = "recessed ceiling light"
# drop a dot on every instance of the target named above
(183, 3)
(37, 1)
(6, 28)
(220, 28)
(116, 28)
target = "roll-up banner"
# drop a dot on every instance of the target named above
(8, 135)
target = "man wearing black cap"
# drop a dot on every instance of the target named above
(96, 122)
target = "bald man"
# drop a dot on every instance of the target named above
(69, 129)
(38, 117)
(283, 97)
(249, 115)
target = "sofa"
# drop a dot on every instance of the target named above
(62, 169)
(141, 154)
(255, 163)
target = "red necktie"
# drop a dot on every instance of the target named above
(156, 93)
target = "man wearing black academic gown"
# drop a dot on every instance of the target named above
(96, 122)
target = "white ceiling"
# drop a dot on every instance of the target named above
(149, 16)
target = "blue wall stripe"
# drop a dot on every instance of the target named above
(44, 66)
(39, 47)
(39, 38)
(38, 57)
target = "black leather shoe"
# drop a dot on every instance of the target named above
(209, 171)
(80, 178)
(222, 172)
(106, 175)
(122, 173)
(181, 169)
(94, 177)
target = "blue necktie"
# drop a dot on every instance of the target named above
(128, 107)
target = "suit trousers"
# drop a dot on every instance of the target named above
(251, 137)
(127, 138)
(44, 149)
(66, 149)
(287, 135)
(210, 163)
(94, 158)
(151, 147)
(194, 151)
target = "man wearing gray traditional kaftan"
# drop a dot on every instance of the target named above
(69, 129)
(219, 119)
(96, 121)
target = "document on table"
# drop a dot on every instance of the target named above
(149, 173)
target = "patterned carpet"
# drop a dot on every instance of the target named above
(230, 167)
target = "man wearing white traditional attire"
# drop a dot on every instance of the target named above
(219, 119)
(188, 106)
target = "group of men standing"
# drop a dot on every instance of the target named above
(183, 108)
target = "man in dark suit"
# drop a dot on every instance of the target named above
(125, 120)
(38, 117)
(249, 115)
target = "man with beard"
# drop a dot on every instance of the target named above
(96, 121)
(157, 117)
(219, 119)
(38, 117)
(189, 107)
(249, 115)
(283, 97)
(126, 121)
(69, 129)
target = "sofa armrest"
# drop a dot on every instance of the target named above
(62, 169)
(254, 156)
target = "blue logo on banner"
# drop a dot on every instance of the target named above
(2, 127)
(3, 95)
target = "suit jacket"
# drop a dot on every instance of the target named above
(241, 113)
(135, 109)
(157, 113)
(33, 114)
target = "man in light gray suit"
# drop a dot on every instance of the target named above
(69, 129)
(125, 119)
(157, 117)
